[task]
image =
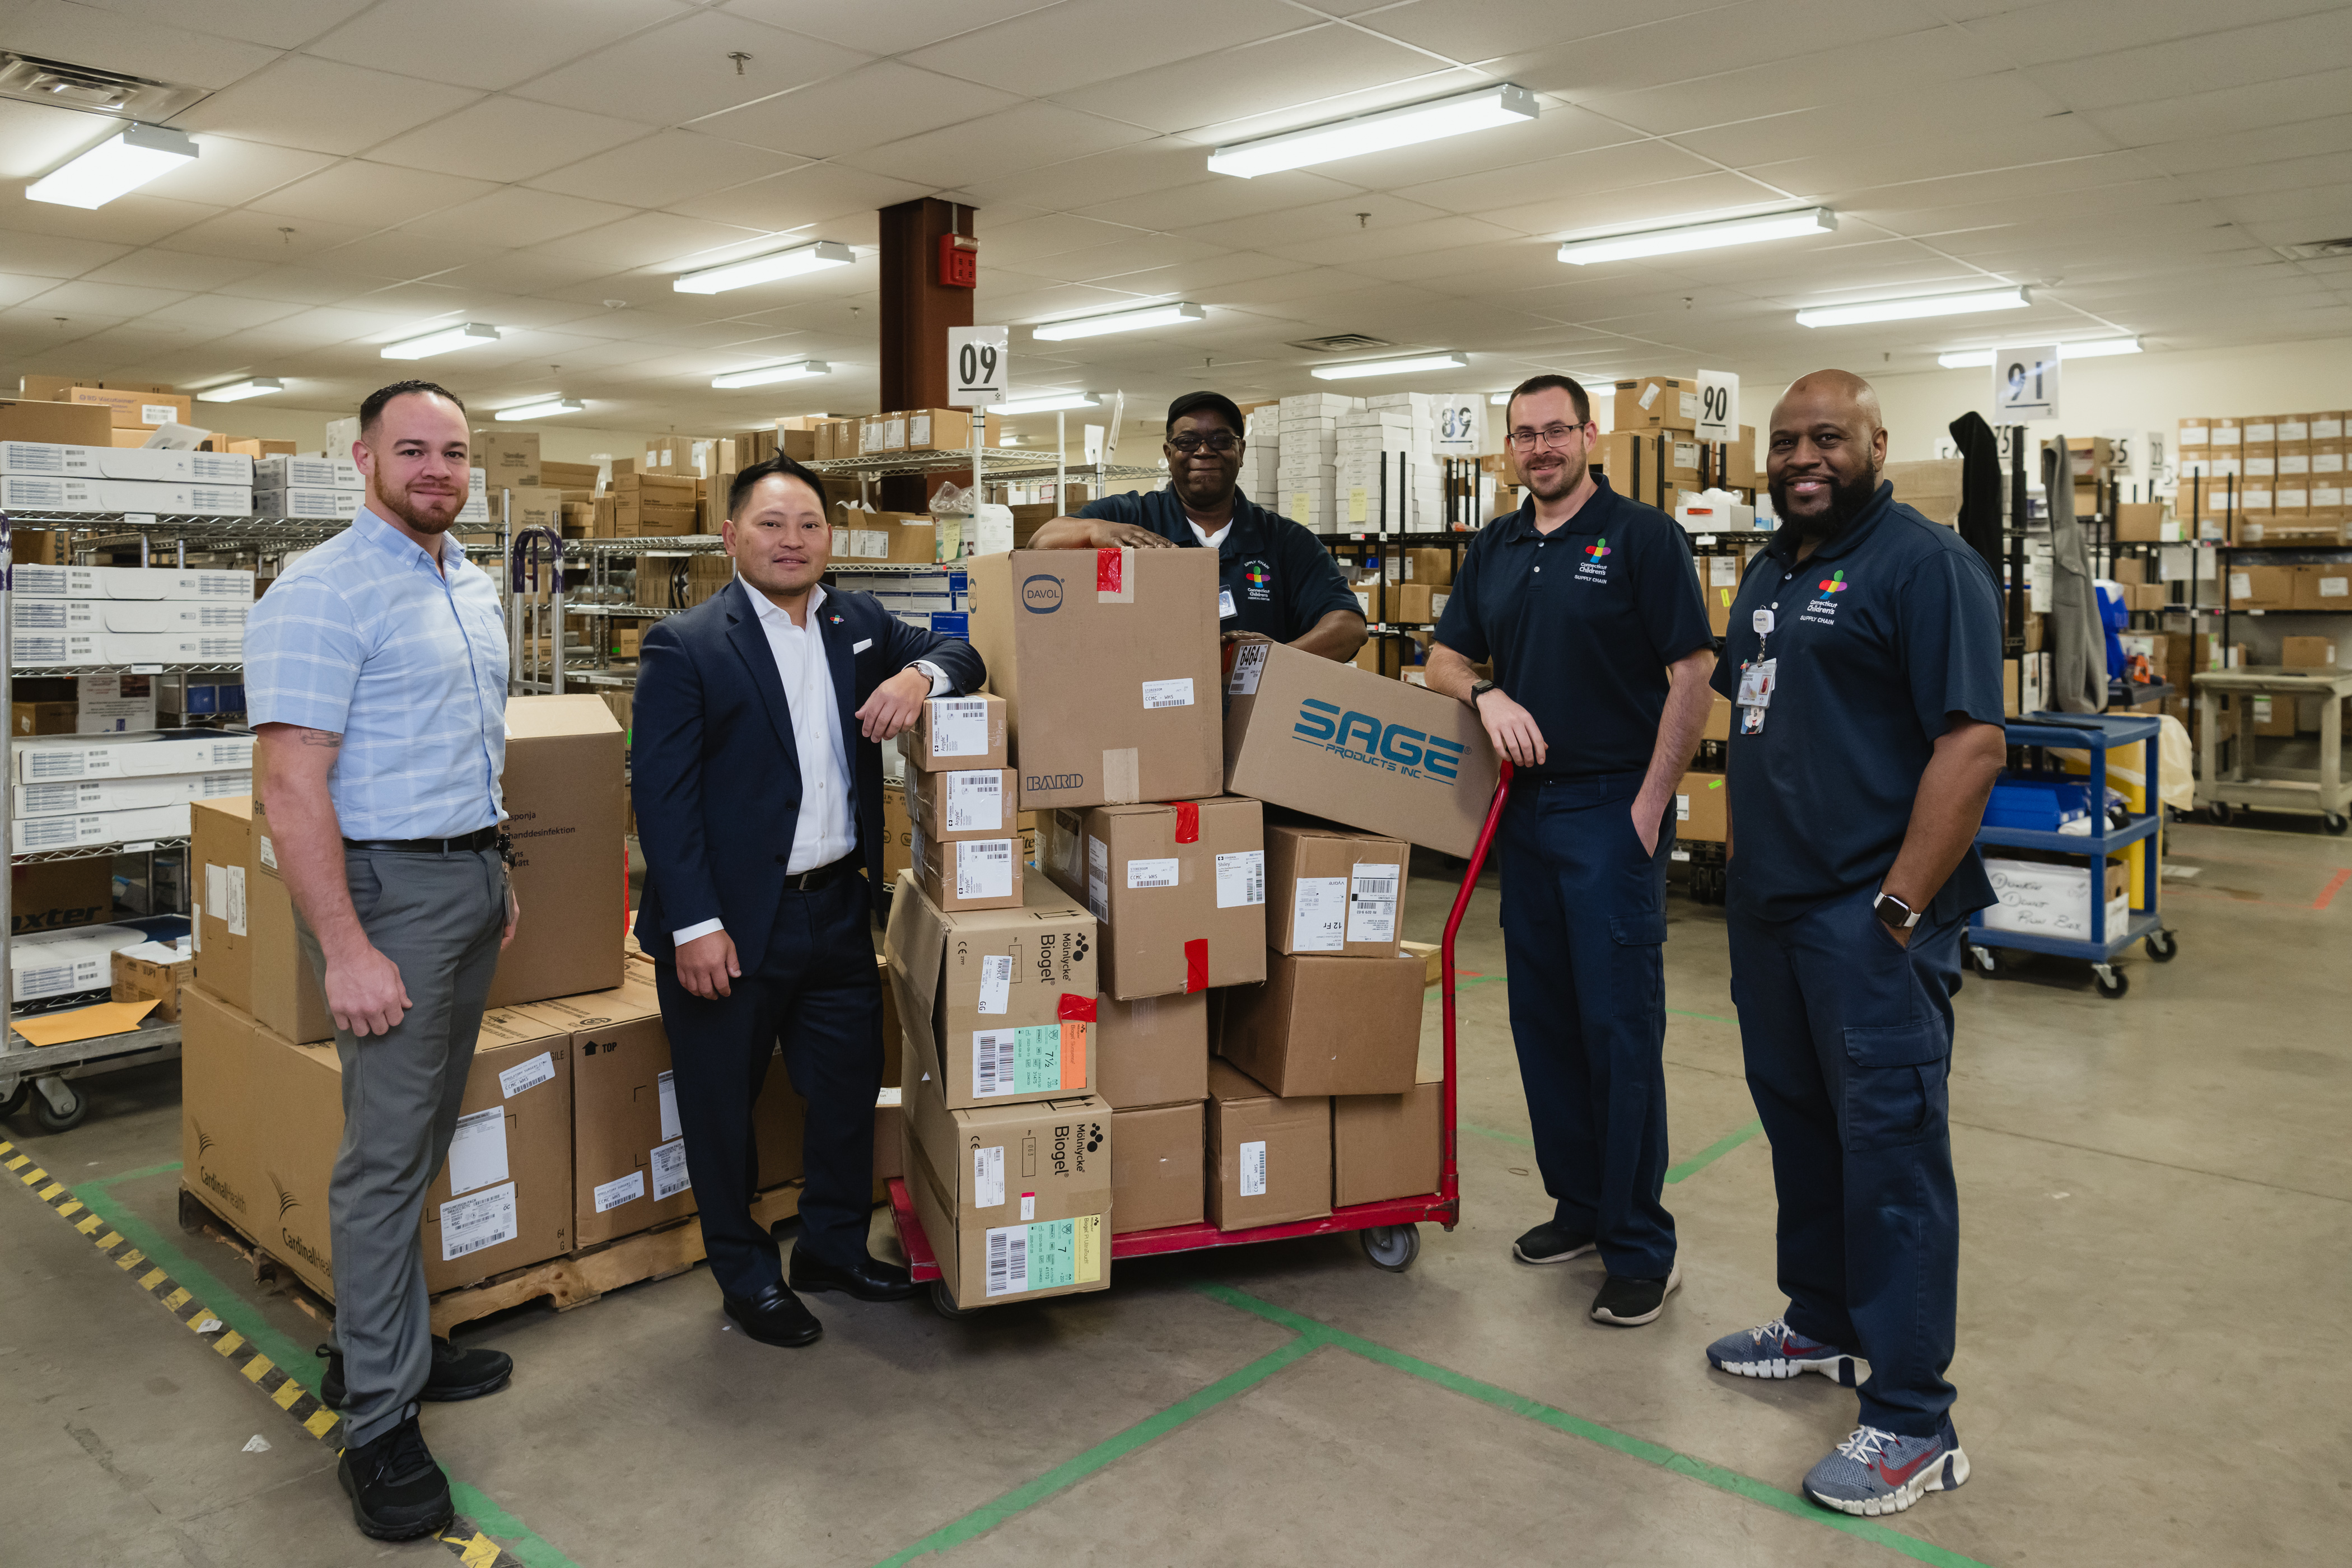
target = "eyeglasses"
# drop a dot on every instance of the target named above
(1553, 436)
(1217, 441)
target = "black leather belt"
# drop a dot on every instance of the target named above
(849, 865)
(488, 838)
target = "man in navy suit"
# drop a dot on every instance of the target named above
(757, 771)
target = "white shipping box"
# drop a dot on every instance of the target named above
(151, 822)
(182, 615)
(132, 583)
(44, 649)
(286, 473)
(34, 492)
(342, 504)
(71, 798)
(2044, 899)
(60, 962)
(41, 758)
(145, 464)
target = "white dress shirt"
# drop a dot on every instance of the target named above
(824, 832)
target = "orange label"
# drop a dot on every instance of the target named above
(1074, 1054)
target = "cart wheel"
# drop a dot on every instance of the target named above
(2162, 946)
(51, 1117)
(2333, 821)
(1987, 961)
(1392, 1246)
(944, 1304)
(2219, 812)
(2113, 982)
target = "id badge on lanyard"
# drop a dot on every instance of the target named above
(1757, 677)
(1225, 607)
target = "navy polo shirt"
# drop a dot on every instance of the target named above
(1879, 635)
(1581, 623)
(1281, 580)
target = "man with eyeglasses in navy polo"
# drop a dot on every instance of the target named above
(1274, 579)
(1602, 654)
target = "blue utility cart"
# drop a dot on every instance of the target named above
(2096, 734)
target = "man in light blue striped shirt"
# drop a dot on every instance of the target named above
(375, 675)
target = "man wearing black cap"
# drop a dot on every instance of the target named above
(1273, 581)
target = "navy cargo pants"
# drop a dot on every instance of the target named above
(1848, 1036)
(1583, 923)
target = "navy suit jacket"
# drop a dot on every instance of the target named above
(714, 772)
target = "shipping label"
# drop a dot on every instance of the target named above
(959, 726)
(1168, 693)
(1372, 903)
(1152, 873)
(1241, 879)
(540, 1069)
(670, 1170)
(1252, 1171)
(477, 1154)
(988, 1176)
(995, 983)
(667, 1089)
(984, 868)
(1249, 666)
(1045, 1255)
(1029, 1059)
(620, 1190)
(1318, 914)
(975, 801)
(469, 1225)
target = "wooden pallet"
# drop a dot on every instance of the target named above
(572, 1280)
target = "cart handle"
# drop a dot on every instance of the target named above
(1449, 1177)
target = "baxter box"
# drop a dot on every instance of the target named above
(1154, 1050)
(1014, 1199)
(1156, 1167)
(1107, 660)
(1180, 889)
(1332, 890)
(1339, 743)
(956, 732)
(56, 895)
(1386, 1145)
(997, 1004)
(966, 804)
(970, 873)
(1269, 1158)
(1325, 1023)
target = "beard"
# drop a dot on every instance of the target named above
(427, 514)
(1847, 501)
(1204, 492)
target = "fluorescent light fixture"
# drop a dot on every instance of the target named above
(1698, 237)
(464, 335)
(1054, 403)
(545, 409)
(1482, 109)
(238, 391)
(1498, 400)
(123, 161)
(1917, 305)
(2090, 348)
(1171, 315)
(760, 375)
(814, 257)
(1390, 367)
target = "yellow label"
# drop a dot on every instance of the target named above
(1356, 506)
(1298, 503)
(1088, 1267)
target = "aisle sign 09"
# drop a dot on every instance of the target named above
(980, 372)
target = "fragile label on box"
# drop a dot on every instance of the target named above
(1241, 879)
(469, 1224)
(984, 868)
(1029, 1059)
(1045, 1255)
(975, 800)
(1373, 903)
(1318, 919)
(670, 1170)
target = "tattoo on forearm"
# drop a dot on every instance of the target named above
(325, 738)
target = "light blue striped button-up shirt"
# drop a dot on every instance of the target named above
(362, 636)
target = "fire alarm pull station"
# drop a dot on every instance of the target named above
(959, 262)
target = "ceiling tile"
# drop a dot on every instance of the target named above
(2245, 56)
(874, 104)
(137, 45)
(682, 71)
(82, 298)
(1635, 205)
(368, 196)
(517, 216)
(1058, 48)
(888, 29)
(1621, 167)
(159, 268)
(230, 172)
(2223, 111)
(1319, 220)
(655, 238)
(1026, 137)
(1217, 198)
(35, 138)
(135, 219)
(473, 45)
(322, 106)
(1280, 84)
(1383, 241)
(804, 196)
(299, 285)
(1159, 164)
(279, 24)
(223, 313)
(505, 137)
(1504, 28)
(665, 167)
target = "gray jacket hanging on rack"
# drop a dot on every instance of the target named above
(2078, 640)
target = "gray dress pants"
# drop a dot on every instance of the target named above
(439, 918)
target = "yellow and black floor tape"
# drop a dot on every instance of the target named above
(473, 1548)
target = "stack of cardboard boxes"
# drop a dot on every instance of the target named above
(72, 789)
(2266, 479)
(1653, 452)
(129, 616)
(128, 412)
(964, 845)
(1309, 463)
(879, 435)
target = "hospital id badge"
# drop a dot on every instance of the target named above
(1225, 610)
(1756, 694)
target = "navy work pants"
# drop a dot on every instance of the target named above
(1583, 924)
(1848, 1038)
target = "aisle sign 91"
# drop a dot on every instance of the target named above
(980, 372)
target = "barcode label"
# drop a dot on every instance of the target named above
(469, 1224)
(1681, 808)
(1318, 914)
(1249, 664)
(665, 1088)
(1026, 1060)
(959, 726)
(1168, 693)
(670, 1170)
(984, 868)
(1152, 873)
(996, 982)
(1241, 879)
(1008, 1260)
(1253, 1172)
(1372, 903)
(975, 801)
(1044, 1254)
(988, 1177)
(991, 1062)
(620, 1190)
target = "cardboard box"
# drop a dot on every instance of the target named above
(1329, 889)
(957, 733)
(897, 833)
(1015, 1199)
(2256, 587)
(220, 851)
(947, 807)
(217, 1106)
(1180, 889)
(68, 425)
(997, 1003)
(1386, 1145)
(968, 873)
(628, 1151)
(58, 895)
(2049, 900)
(508, 458)
(1634, 461)
(884, 537)
(1702, 809)
(1108, 664)
(1345, 745)
(1655, 403)
(2306, 653)
(1154, 1050)
(938, 429)
(154, 968)
(2139, 523)
(2314, 530)
(564, 792)
(44, 718)
(1156, 1170)
(1327, 1025)
(1269, 1157)
(134, 408)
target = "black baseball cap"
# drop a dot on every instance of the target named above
(1216, 402)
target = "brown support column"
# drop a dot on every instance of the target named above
(917, 311)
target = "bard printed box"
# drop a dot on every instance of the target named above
(1180, 889)
(1107, 661)
(1014, 1199)
(1338, 742)
(1332, 890)
(997, 1004)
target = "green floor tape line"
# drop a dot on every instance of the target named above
(1713, 1151)
(1657, 1454)
(987, 1515)
(1710, 1017)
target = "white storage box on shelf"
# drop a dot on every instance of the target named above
(43, 650)
(70, 797)
(287, 473)
(47, 964)
(2048, 899)
(150, 465)
(307, 503)
(42, 759)
(33, 834)
(133, 583)
(39, 492)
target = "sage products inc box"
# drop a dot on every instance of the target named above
(1016, 1200)
(1180, 889)
(997, 1004)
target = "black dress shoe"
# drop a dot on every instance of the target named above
(397, 1492)
(456, 1374)
(774, 1317)
(868, 1279)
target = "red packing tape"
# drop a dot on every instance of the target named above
(1108, 572)
(1188, 821)
(1196, 965)
(1075, 1008)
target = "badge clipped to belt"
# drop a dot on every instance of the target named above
(1756, 679)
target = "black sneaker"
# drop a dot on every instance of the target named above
(1630, 1303)
(456, 1374)
(397, 1492)
(1552, 1242)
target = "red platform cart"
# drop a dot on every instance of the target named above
(1390, 1229)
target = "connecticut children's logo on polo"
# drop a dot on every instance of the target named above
(1823, 612)
(1594, 567)
(1259, 578)
(1597, 549)
(1833, 583)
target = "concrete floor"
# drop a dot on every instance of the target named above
(2158, 1220)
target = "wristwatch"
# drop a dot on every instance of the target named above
(1478, 690)
(1893, 911)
